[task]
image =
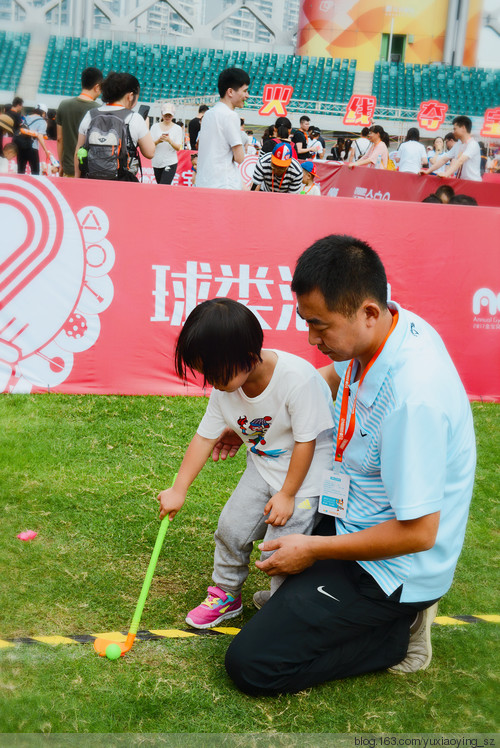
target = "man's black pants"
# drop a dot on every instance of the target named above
(330, 621)
(28, 156)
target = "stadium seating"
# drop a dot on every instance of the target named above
(172, 72)
(466, 90)
(13, 50)
(182, 71)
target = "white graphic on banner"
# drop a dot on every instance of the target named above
(486, 302)
(53, 284)
(177, 293)
(365, 194)
(247, 167)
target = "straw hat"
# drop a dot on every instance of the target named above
(6, 123)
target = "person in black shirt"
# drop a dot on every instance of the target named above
(194, 127)
(283, 129)
(300, 138)
(14, 112)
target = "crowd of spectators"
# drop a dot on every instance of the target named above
(286, 156)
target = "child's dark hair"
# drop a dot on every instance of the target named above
(220, 338)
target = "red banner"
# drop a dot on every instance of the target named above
(96, 278)
(335, 179)
(183, 175)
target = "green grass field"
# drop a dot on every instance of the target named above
(83, 471)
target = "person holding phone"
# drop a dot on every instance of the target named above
(167, 137)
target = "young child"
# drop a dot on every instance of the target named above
(194, 168)
(308, 175)
(282, 409)
(9, 153)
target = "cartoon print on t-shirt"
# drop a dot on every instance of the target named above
(257, 429)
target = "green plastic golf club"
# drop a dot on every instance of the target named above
(101, 644)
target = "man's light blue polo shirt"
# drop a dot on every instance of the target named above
(412, 453)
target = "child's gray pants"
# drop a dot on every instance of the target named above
(242, 522)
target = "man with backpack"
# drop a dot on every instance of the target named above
(109, 137)
(360, 146)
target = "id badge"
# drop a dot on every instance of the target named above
(334, 494)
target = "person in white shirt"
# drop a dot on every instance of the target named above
(245, 140)
(316, 150)
(220, 148)
(167, 137)
(360, 146)
(308, 175)
(411, 155)
(465, 155)
(282, 408)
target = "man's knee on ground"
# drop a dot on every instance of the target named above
(246, 671)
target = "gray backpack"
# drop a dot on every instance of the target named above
(109, 145)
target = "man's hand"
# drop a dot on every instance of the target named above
(227, 446)
(280, 508)
(292, 554)
(170, 502)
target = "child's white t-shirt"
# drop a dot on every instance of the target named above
(295, 406)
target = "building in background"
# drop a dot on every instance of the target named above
(195, 23)
(412, 31)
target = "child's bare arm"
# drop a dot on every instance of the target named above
(281, 505)
(198, 452)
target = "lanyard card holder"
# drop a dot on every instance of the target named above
(334, 494)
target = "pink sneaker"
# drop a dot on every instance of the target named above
(218, 607)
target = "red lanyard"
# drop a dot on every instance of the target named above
(272, 181)
(343, 437)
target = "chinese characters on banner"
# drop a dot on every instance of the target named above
(104, 314)
(360, 110)
(265, 290)
(276, 98)
(491, 124)
(431, 114)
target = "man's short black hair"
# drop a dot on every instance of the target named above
(463, 121)
(450, 136)
(116, 85)
(233, 78)
(305, 118)
(91, 77)
(202, 108)
(364, 132)
(220, 338)
(463, 200)
(433, 198)
(347, 271)
(17, 101)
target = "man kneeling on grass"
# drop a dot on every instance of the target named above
(361, 592)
